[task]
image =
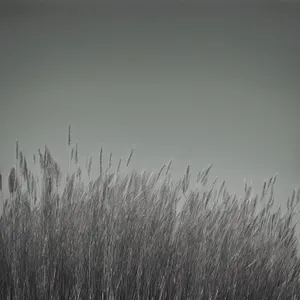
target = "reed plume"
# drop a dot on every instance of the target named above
(69, 149)
(101, 160)
(12, 182)
(129, 158)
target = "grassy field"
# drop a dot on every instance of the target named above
(122, 236)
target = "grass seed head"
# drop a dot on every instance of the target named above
(17, 150)
(12, 180)
(129, 158)
(119, 165)
(101, 160)
(69, 136)
(76, 154)
(110, 159)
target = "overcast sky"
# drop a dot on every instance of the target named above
(194, 84)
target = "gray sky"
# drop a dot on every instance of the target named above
(193, 83)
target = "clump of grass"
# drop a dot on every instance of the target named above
(121, 236)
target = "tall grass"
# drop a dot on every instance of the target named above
(122, 236)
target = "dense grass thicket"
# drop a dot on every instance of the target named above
(122, 236)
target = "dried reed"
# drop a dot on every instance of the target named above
(125, 239)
